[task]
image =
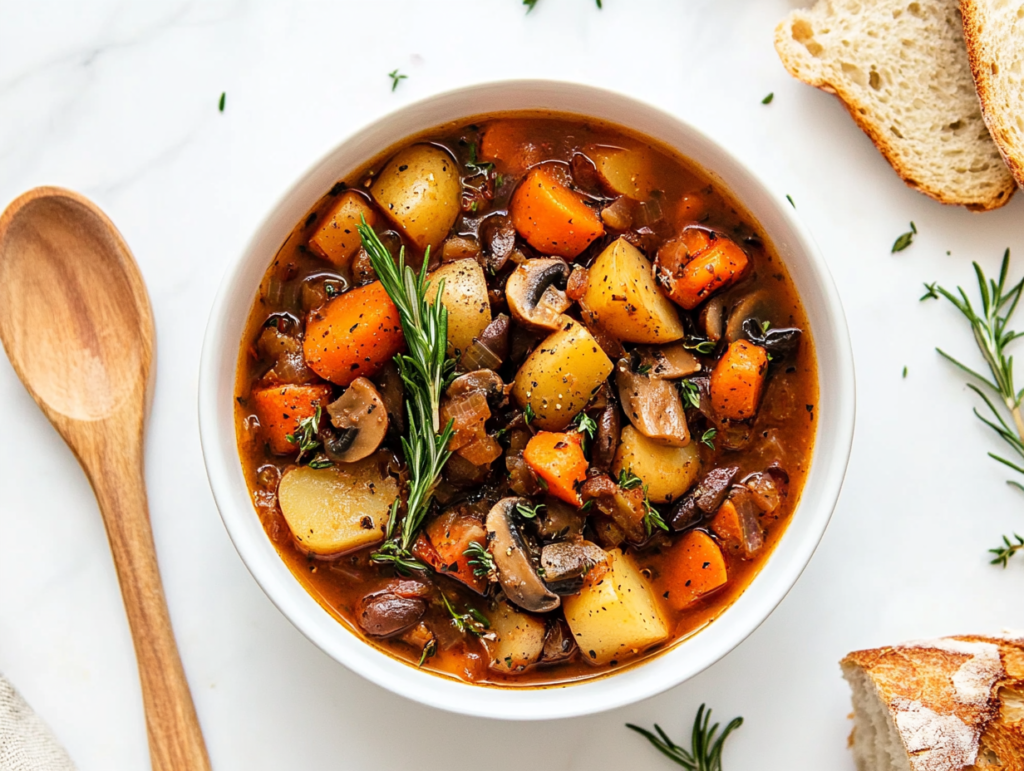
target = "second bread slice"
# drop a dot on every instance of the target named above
(901, 70)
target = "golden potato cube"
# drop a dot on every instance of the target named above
(617, 617)
(623, 298)
(337, 509)
(561, 375)
(465, 297)
(518, 639)
(420, 191)
(667, 471)
(627, 171)
(336, 238)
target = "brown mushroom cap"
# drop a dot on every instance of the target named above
(535, 292)
(363, 419)
(653, 406)
(516, 572)
(668, 362)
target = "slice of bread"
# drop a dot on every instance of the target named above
(994, 30)
(953, 704)
(900, 68)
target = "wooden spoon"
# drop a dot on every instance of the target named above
(76, 323)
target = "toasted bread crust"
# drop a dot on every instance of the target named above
(954, 700)
(862, 117)
(981, 59)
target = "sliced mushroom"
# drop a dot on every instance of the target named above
(606, 441)
(752, 306)
(490, 349)
(653, 406)
(668, 362)
(363, 420)
(712, 318)
(779, 342)
(536, 293)
(487, 381)
(516, 571)
(567, 563)
(559, 644)
(704, 499)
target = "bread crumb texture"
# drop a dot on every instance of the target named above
(994, 30)
(952, 704)
(901, 70)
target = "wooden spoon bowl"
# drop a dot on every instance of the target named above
(76, 322)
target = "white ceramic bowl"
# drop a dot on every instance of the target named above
(835, 419)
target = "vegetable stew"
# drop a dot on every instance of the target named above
(526, 399)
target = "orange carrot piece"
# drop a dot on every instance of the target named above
(280, 408)
(450, 535)
(507, 143)
(737, 381)
(694, 567)
(336, 238)
(699, 267)
(558, 459)
(353, 335)
(551, 217)
(726, 525)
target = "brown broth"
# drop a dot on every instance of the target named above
(784, 430)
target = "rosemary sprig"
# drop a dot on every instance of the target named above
(993, 337)
(705, 752)
(426, 369)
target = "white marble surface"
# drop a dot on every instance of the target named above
(119, 101)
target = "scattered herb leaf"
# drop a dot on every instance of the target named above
(708, 437)
(585, 424)
(930, 294)
(768, 99)
(480, 559)
(788, 198)
(705, 753)
(528, 414)
(223, 101)
(628, 480)
(904, 373)
(529, 512)
(396, 77)
(472, 621)
(305, 435)
(690, 393)
(905, 239)
(1006, 550)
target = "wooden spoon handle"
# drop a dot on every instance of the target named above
(116, 472)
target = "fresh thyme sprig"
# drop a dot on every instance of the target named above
(305, 435)
(1006, 550)
(708, 437)
(993, 337)
(652, 517)
(690, 393)
(529, 512)
(426, 369)
(628, 480)
(472, 621)
(705, 752)
(585, 424)
(480, 559)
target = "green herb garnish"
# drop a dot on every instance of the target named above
(396, 77)
(223, 101)
(1007, 550)
(768, 99)
(529, 512)
(690, 393)
(652, 517)
(425, 369)
(930, 294)
(705, 752)
(643, 369)
(700, 346)
(993, 338)
(708, 437)
(480, 559)
(472, 621)
(905, 240)
(628, 480)
(305, 435)
(585, 425)
(904, 373)
(788, 198)
(528, 414)
(428, 650)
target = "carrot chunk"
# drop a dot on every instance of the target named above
(450, 535)
(551, 217)
(336, 238)
(737, 381)
(280, 408)
(698, 264)
(735, 523)
(693, 568)
(558, 459)
(353, 335)
(508, 144)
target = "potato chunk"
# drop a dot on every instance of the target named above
(561, 375)
(623, 299)
(465, 297)
(419, 190)
(618, 616)
(518, 639)
(667, 471)
(336, 238)
(625, 171)
(332, 511)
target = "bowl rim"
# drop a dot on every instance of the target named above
(684, 659)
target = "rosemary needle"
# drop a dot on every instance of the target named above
(705, 753)
(426, 369)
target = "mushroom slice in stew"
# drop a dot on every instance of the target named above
(704, 499)
(559, 644)
(392, 609)
(669, 362)
(517, 573)
(536, 293)
(363, 420)
(566, 563)
(653, 406)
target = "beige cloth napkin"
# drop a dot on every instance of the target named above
(26, 744)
